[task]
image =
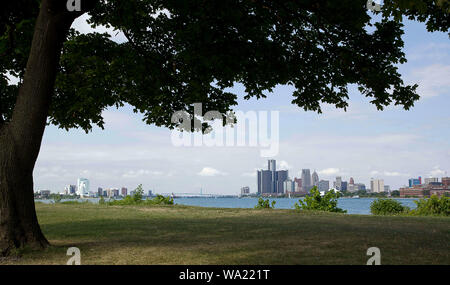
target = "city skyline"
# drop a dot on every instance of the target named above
(361, 143)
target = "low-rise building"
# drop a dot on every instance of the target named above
(424, 191)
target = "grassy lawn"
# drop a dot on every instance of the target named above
(194, 235)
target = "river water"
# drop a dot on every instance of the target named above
(353, 206)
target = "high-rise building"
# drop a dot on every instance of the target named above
(272, 167)
(281, 176)
(298, 186)
(100, 191)
(83, 187)
(446, 181)
(360, 186)
(387, 188)
(315, 178)
(431, 179)
(289, 186)
(414, 181)
(245, 190)
(124, 191)
(344, 186)
(306, 180)
(338, 183)
(323, 185)
(351, 181)
(271, 180)
(70, 189)
(264, 181)
(377, 185)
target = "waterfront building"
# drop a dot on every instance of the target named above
(323, 185)
(315, 178)
(387, 188)
(414, 181)
(264, 181)
(360, 186)
(272, 167)
(245, 190)
(298, 184)
(83, 187)
(376, 185)
(270, 181)
(306, 180)
(289, 186)
(430, 179)
(338, 183)
(344, 186)
(281, 176)
(70, 189)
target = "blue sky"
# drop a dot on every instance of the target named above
(393, 144)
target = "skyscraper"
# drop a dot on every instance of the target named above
(306, 180)
(281, 176)
(351, 182)
(298, 186)
(338, 183)
(83, 187)
(271, 180)
(323, 185)
(264, 181)
(377, 185)
(315, 178)
(272, 167)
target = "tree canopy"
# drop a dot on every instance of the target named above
(181, 52)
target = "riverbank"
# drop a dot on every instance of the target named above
(352, 206)
(195, 235)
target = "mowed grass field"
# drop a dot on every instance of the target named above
(195, 235)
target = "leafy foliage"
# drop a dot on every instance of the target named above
(181, 52)
(265, 204)
(314, 201)
(432, 206)
(136, 199)
(435, 13)
(387, 207)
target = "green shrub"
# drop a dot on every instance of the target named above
(136, 199)
(387, 207)
(265, 204)
(432, 206)
(315, 202)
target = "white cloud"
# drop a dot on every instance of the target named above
(437, 172)
(433, 80)
(141, 172)
(329, 171)
(209, 171)
(388, 173)
(283, 165)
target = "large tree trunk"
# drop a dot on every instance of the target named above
(20, 139)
